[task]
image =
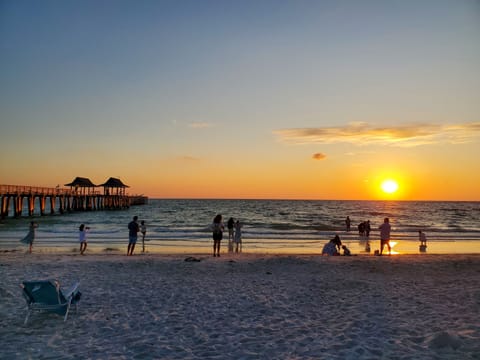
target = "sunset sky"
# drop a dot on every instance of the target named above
(244, 99)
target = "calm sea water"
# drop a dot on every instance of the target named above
(269, 226)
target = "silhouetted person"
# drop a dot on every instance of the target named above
(385, 235)
(348, 223)
(82, 237)
(217, 234)
(133, 230)
(30, 237)
(143, 230)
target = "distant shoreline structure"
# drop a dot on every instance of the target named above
(81, 196)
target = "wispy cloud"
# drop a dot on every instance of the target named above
(188, 158)
(199, 125)
(319, 156)
(365, 134)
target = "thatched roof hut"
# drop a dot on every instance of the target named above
(85, 185)
(114, 186)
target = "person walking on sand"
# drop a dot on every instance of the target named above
(30, 237)
(133, 230)
(143, 230)
(82, 237)
(217, 233)
(238, 236)
(230, 224)
(385, 236)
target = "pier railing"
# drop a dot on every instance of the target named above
(61, 199)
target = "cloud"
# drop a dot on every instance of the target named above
(364, 134)
(188, 158)
(199, 125)
(319, 156)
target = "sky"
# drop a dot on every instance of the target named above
(263, 99)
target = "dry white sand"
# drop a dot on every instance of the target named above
(248, 307)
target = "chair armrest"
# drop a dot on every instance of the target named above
(71, 290)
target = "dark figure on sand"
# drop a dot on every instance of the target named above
(143, 230)
(361, 229)
(230, 225)
(385, 236)
(333, 247)
(133, 230)
(82, 237)
(238, 237)
(217, 234)
(423, 241)
(348, 223)
(367, 228)
(30, 238)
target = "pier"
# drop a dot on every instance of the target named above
(82, 195)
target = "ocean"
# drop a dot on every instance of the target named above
(269, 226)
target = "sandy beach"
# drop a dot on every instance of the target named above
(249, 306)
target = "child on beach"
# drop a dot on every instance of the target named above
(143, 230)
(30, 238)
(238, 236)
(230, 225)
(423, 241)
(83, 238)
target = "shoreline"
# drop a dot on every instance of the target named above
(250, 246)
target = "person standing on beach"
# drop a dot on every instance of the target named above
(385, 236)
(143, 230)
(348, 223)
(217, 229)
(423, 240)
(367, 228)
(133, 230)
(30, 238)
(82, 237)
(230, 224)
(238, 236)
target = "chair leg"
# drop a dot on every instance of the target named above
(26, 318)
(68, 309)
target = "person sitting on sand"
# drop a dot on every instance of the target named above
(346, 251)
(330, 248)
(83, 238)
(338, 243)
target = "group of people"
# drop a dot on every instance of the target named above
(333, 247)
(234, 234)
(363, 228)
(133, 229)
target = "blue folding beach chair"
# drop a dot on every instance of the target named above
(47, 296)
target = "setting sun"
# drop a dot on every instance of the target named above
(389, 186)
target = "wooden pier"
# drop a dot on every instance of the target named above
(61, 200)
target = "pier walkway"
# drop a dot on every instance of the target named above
(17, 200)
